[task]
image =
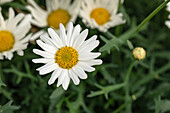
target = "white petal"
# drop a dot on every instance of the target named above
(46, 47)
(74, 77)
(79, 72)
(16, 20)
(76, 32)
(167, 23)
(26, 39)
(43, 53)
(61, 77)
(37, 35)
(89, 47)
(92, 62)
(44, 66)
(43, 60)
(55, 37)
(9, 55)
(10, 19)
(49, 41)
(69, 32)
(63, 34)
(86, 67)
(2, 21)
(93, 38)
(54, 76)
(80, 39)
(66, 81)
(88, 56)
(20, 52)
(48, 69)
(1, 56)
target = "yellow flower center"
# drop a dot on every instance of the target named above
(100, 15)
(6, 41)
(66, 57)
(58, 16)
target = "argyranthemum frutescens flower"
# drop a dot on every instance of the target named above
(57, 11)
(67, 55)
(101, 14)
(12, 34)
(5, 1)
(167, 22)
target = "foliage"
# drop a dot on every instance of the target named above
(119, 85)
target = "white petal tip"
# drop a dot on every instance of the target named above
(34, 50)
(65, 88)
(49, 83)
(100, 62)
(50, 29)
(70, 23)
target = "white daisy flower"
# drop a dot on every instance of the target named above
(167, 22)
(12, 34)
(57, 11)
(101, 14)
(68, 56)
(5, 1)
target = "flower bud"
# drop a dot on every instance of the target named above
(139, 53)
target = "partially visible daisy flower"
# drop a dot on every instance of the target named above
(101, 14)
(12, 34)
(68, 56)
(5, 1)
(57, 11)
(167, 22)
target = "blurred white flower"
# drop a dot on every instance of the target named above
(12, 34)
(101, 14)
(167, 22)
(5, 1)
(68, 55)
(57, 11)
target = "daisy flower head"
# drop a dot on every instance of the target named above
(57, 11)
(5, 1)
(68, 55)
(101, 14)
(167, 22)
(13, 34)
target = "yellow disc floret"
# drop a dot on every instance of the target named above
(100, 15)
(6, 41)
(58, 16)
(66, 57)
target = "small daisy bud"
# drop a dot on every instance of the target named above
(139, 53)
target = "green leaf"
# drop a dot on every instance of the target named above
(8, 108)
(165, 106)
(114, 42)
(16, 5)
(131, 47)
(105, 90)
(57, 92)
(1, 83)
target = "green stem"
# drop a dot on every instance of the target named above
(148, 18)
(109, 35)
(152, 76)
(119, 108)
(151, 15)
(127, 92)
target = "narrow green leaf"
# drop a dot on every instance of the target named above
(130, 45)
(8, 107)
(57, 92)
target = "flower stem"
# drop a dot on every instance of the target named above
(148, 18)
(127, 93)
(151, 15)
